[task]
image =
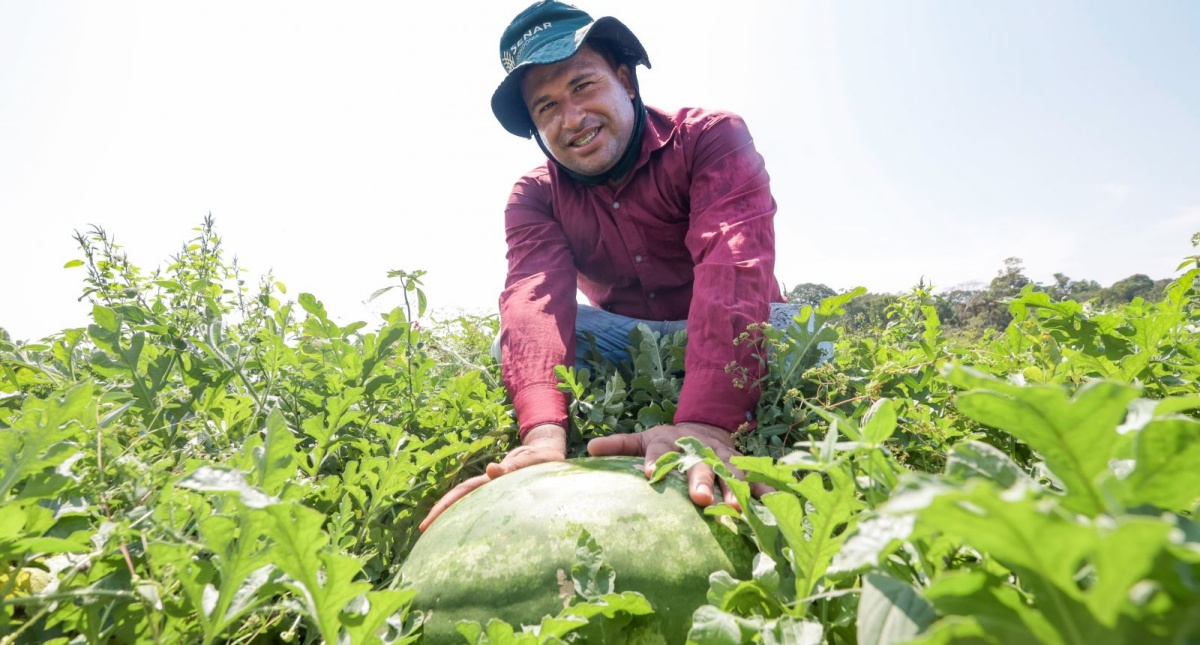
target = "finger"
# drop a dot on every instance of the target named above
(455, 494)
(725, 456)
(521, 458)
(512, 461)
(700, 484)
(623, 445)
(727, 494)
(654, 448)
(758, 489)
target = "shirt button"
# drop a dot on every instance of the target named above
(616, 205)
(650, 295)
(637, 258)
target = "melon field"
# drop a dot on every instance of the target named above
(216, 461)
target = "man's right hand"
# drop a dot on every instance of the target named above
(542, 443)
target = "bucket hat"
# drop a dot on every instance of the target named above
(548, 32)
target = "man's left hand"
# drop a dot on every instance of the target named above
(659, 440)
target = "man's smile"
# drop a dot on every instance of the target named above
(585, 139)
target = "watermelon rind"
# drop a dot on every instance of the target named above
(504, 550)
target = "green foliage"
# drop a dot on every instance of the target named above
(626, 398)
(809, 293)
(208, 461)
(1091, 560)
(1046, 495)
(974, 311)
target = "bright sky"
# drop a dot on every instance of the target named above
(335, 141)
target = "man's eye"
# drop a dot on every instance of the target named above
(582, 86)
(546, 107)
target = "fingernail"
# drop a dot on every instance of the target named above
(703, 489)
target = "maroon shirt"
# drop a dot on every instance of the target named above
(689, 234)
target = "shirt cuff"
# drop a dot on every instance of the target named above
(540, 404)
(709, 396)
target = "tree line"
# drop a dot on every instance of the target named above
(972, 310)
(975, 310)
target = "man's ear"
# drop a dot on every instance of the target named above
(625, 75)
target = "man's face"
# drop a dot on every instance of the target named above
(582, 109)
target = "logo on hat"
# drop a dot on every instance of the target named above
(508, 61)
(518, 48)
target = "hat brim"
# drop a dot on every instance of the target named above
(507, 103)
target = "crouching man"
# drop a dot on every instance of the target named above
(658, 217)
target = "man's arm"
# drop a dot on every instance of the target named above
(732, 241)
(537, 307)
(537, 333)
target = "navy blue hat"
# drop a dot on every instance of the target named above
(548, 32)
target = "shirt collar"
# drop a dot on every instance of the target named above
(660, 129)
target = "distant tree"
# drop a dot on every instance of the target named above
(1010, 280)
(1064, 288)
(868, 311)
(974, 308)
(961, 294)
(986, 310)
(1160, 289)
(1138, 285)
(977, 310)
(953, 306)
(809, 293)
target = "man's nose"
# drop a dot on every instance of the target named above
(573, 115)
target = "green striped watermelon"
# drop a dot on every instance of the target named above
(499, 551)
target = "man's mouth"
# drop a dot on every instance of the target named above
(585, 139)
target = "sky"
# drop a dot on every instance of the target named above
(906, 141)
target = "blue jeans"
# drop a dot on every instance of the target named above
(611, 332)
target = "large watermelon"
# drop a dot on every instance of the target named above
(499, 551)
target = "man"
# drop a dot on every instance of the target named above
(655, 216)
